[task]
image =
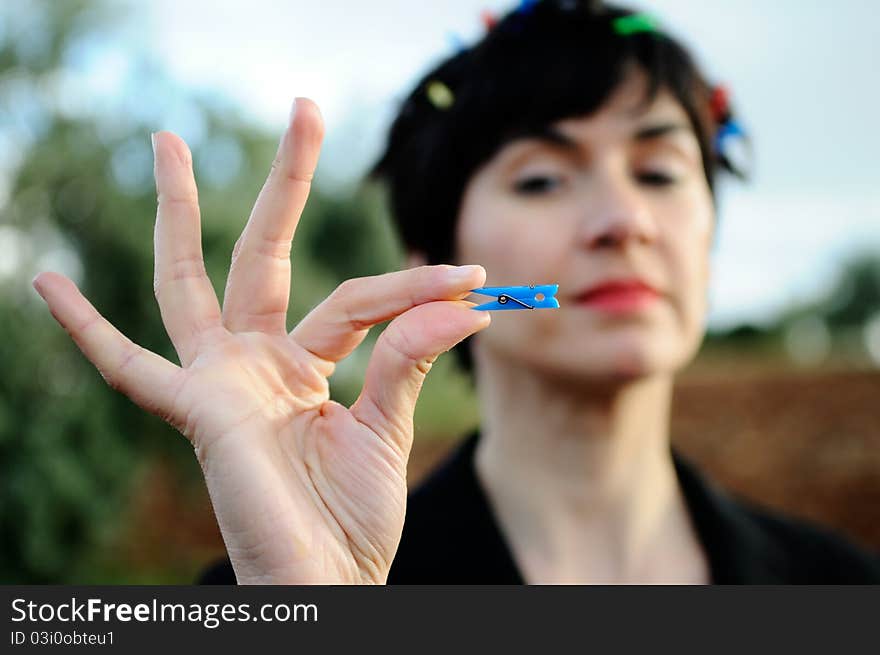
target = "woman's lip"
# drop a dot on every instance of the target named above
(619, 298)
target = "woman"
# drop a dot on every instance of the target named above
(573, 145)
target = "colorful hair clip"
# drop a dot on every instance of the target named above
(526, 6)
(733, 149)
(634, 23)
(456, 42)
(719, 103)
(528, 297)
(439, 95)
(489, 19)
(729, 130)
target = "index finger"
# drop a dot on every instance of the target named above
(333, 329)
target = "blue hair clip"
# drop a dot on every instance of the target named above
(457, 43)
(528, 297)
(526, 6)
(727, 130)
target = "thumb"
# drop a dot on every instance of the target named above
(401, 359)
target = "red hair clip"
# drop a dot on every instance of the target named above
(489, 19)
(719, 103)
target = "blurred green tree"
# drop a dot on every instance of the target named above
(841, 315)
(856, 296)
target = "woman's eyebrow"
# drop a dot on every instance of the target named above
(649, 132)
(547, 134)
(556, 137)
(553, 136)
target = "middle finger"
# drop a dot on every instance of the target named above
(258, 287)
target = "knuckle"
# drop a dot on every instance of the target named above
(115, 377)
(425, 363)
(275, 247)
(180, 269)
(341, 301)
(286, 172)
(188, 201)
(300, 176)
(90, 323)
(186, 267)
(345, 290)
(400, 343)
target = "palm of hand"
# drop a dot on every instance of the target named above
(327, 490)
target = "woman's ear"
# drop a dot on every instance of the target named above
(414, 259)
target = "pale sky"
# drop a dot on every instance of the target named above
(802, 73)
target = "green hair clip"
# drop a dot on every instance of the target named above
(439, 95)
(634, 23)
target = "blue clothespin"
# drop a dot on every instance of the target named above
(530, 297)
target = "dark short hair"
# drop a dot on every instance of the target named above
(541, 63)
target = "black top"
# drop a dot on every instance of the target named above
(451, 537)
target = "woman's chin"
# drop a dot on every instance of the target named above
(613, 366)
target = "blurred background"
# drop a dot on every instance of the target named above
(781, 406)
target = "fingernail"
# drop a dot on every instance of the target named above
(153, 142)
(36, 284)
(461, 273)
(292, 111)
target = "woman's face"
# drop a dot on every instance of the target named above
(615, 208)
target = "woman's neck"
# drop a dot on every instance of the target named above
(581, 478)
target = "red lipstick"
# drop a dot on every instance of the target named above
(619, 296)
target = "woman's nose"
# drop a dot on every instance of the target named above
(616, 214)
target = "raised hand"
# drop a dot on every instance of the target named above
(304, 489)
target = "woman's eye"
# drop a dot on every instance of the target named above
(536, 184)
(655, 178)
